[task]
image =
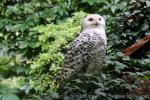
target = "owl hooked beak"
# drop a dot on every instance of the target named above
(96, 24)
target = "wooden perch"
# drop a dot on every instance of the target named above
(128, 51)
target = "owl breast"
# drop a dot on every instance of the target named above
(97, 53)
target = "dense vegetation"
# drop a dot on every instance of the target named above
(34, 35)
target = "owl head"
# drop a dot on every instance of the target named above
(93, 21)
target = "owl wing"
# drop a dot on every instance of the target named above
(77, 55)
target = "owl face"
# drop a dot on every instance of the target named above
(93, 21)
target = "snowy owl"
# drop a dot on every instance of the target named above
(87, 51)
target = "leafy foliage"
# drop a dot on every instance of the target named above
(8, 94)
(54, 40)
(34, 35)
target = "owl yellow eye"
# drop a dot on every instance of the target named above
(90, 19)
(100, 19)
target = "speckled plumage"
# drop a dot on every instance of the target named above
(87, 51)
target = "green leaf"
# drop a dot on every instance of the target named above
(139, 74)
(103, 76)
(146, 77)
(1, 25)
(120, 65)
(78, 80)
(9, 97)
(23, 44)
(113, 8)
(55, 95)
(5, 89)
(145, 26)
(4, 97)
(26, 88)
(9, 27)
(99, 92)
(91, 2)
(1, 96)
(19, 27)
(148, 3)
(34, 44)
(20, 69)
(12, 97)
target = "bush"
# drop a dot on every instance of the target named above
(54, 40)
(34, 36)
